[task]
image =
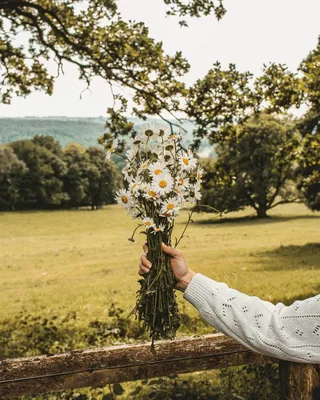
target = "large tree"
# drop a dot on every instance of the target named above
(255, 167)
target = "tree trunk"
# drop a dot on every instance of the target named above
(262, 212)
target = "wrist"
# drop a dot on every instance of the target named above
(185, 280)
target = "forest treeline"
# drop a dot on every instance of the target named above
(40, 174)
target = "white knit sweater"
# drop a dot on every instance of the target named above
(290, 333)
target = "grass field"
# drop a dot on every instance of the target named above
(80, 261)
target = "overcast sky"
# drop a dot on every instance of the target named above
(253, 32)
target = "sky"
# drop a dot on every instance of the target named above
(253, 32)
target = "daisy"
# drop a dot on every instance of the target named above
(158, 168)
(123, 197)
(182, 182)
(187, 161)
(148, 131)
(170, 206)
(126, 171)
(112, 149)
(143, 166)
(150, 193)
(148, 223)
(199, 174)
(134, 186)
(132, 152)
(160, 228)
(162, 183)
(170, 217)
(195, 193)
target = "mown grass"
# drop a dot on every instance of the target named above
(66, 261)
(61, 273)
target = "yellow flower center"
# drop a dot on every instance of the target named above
(124, 199)
(151, 193)
(133, 186)
(185, 161)
(170, 206)
(148, 223)
(157, 171)
(181, 181)
(198, 176)
(163, 184)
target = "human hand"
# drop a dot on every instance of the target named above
(178, 264)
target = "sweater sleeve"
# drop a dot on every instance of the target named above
(286, 332)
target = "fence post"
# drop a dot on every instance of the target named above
(297, 381)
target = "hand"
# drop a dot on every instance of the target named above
(178, 265)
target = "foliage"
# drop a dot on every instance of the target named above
(37, 174)
(255, 166)
(103, 178)
(42, 185)
(93, 37)
(309, 171)
(12, 171)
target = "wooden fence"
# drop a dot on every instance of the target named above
(101, 366)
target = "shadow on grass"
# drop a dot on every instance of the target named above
(253, 220)
(291, 300)
(291, 257)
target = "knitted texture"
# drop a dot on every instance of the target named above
(286, 332)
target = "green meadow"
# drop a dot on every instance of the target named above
(69, 279)
(81, 261)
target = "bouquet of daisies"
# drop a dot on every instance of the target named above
(161, 176)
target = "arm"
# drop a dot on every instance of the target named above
(289, 333)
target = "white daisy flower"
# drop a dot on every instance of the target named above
(150, 193)
(148, 223)
(123, 197)
(199, 174)
(195, 193)
(160, 228)
(170, 217)
(170, 206)
(134, 186)
(182, 182)
(158, 168)
(175, 137)
(143, 166)
(187, 161)
(162, 183)
(132, 152)
(112, 149)
(126, 171)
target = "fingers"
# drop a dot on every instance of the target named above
(145, 248)
(170, 250)
(144, 265)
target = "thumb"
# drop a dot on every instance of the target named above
(169, 250)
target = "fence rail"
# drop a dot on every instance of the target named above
(101, 366)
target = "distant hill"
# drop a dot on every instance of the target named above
(85, 131)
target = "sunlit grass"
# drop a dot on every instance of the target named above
(81, 261)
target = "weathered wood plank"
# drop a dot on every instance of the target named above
(121, 363)
(297, 381)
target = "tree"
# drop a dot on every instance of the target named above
(309, 171)
(104, 178)
(224, 98)
(255, 166)
(12, 171)
(75, 180)
(41, 186)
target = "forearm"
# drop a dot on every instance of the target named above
(259, 325)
